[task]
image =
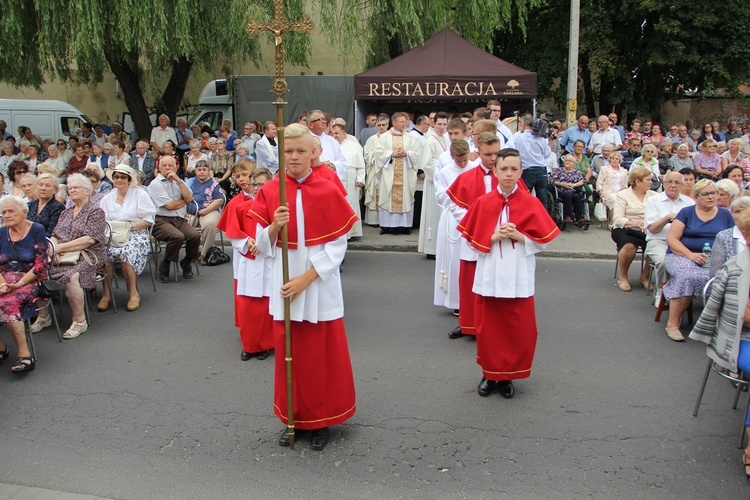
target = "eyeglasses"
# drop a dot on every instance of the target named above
(318, 120)
(74, 188)
(118, 177)
(62, 144)
(257, 184)
(710, 193)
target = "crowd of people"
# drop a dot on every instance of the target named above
(102, 202)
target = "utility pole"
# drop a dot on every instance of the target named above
(572, 107)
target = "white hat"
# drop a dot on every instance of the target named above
(124, 169)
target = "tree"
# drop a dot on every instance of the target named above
(635, 54)
(149, 46)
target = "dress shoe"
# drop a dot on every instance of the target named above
(505, 387)
(187, 268)
(264, 354)
(486, 387)
(284, 437)
(246, 355)
(455, 312)
(133, 304)
(164, 271)
(384, 230)
(319, 438)
(103, 304)
(455, 333)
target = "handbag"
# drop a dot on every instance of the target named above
(600, 211)
(120, 230)
(215, 256)
(72, 257)
(632, 231)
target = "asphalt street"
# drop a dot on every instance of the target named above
(157, 404)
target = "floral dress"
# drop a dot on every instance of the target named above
(89, 222)
(16, 259)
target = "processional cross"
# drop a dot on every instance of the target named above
(279, 27)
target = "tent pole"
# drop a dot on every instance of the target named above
(533, 107)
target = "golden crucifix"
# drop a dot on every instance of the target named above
(279, 27)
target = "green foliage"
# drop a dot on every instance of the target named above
(638, 53)
(392, 27)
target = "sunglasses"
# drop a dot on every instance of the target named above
(318, 120)
(118, 177)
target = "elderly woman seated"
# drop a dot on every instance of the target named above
(28, 187)
(724, 324)
(611, 180)
(23, 263)
(131, 205)
(693, 228)
(727, 191)
(729, 242)
(99, 188)
(628, 230)
(45, 209)
(569, 183)
(80, 232)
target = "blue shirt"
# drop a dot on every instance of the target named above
(571, 135)
(203, 193)
(697, 233)
(230, 142)
(533, 149)
(628, 158)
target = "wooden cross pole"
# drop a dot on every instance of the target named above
(279, 27)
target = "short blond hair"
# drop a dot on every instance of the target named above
(296, 130)
(638, 174)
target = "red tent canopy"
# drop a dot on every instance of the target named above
(445, 68)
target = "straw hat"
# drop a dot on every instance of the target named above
(124, 169)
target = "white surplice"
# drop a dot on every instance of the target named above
(507, 271)
(323, 299)
(355, 172)
(434, 146)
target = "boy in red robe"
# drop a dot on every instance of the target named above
(318, 219)
(506, 228)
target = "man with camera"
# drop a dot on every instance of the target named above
(532, 144)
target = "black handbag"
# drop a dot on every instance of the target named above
(215, 256)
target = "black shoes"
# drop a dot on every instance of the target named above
(187, 269)
(164, 271)
(260, 355)
(246, 355)
(486, 387)
(505, 387)
(455, 312)
(284, 437)
(455, 333)
(319, 438)
(264, 354)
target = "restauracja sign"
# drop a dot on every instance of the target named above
(440, 89)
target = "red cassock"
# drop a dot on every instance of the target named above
(328, 174)
(463, 192)
(322, 378)
(506, 327)
(251, 314)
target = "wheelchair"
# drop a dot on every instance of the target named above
(555, 206)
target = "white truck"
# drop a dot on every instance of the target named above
(244, 98)
(48, 119)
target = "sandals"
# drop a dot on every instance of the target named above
(623, 285)
(647, 285)
(75, 330)
(23, 364)
(103, 304)
(746, 462)
(41, 323)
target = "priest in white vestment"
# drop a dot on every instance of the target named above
(434, 145)
(372, 183)
(355, 172)
(396, 160)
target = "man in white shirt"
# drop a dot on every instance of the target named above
(660, 211)
(605, 135)
(162, 133)
(503, 132)
(332, 157)
(267, 150)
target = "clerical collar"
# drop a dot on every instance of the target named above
(506, 195)
(271, 141)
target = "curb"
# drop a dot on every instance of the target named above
(552, 254)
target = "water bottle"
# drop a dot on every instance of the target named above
(707, 253)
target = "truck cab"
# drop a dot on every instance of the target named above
(215, 105)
